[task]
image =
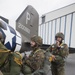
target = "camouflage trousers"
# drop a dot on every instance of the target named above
(57, 70)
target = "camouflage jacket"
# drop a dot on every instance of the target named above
(60, 53)
(36, 59)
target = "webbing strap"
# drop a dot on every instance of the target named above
(4, 50)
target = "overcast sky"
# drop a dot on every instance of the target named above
(11, 9)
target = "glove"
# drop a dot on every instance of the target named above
(52, 58)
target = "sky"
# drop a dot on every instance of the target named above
(11, 9)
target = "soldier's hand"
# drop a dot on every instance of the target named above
(53, 57)
(58, 43)
(27, 62)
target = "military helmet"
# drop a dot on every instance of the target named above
(59, 35)
(37, 39)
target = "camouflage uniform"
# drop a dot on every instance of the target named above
(60, 53)
(36, 58)
(10, 62)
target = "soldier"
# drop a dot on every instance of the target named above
(35, 60)
(59, 52)
(10, 62)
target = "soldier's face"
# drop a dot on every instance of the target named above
(32, 43)
(59, 39)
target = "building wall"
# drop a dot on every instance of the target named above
(62, 20)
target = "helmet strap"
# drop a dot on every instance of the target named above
(60, 42)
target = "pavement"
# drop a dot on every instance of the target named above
(70, 65)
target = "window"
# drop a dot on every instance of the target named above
(43, 19)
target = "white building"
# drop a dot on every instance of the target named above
(61, 20)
